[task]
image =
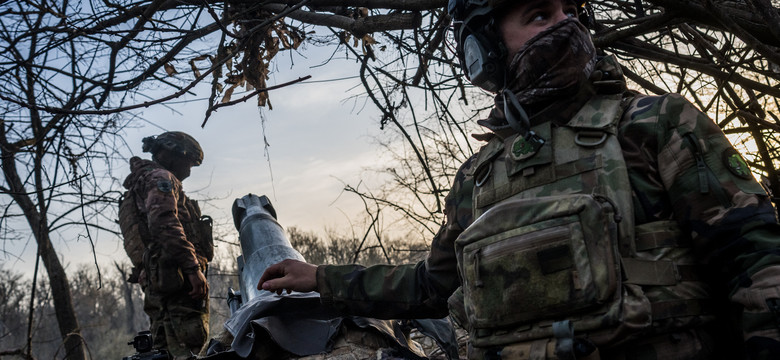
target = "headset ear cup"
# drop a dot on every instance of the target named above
(483, 62)
(480, 49)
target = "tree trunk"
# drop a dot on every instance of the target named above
(128, 295)
(63, 303)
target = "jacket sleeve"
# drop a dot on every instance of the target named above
(162, 195)
(406, 291)
(733, 225)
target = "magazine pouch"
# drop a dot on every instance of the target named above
(199, 230)
(526, 260)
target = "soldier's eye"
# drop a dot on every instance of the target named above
(538, 16)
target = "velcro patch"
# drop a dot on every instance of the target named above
(164, 186)
(736, 164)
(527, 146)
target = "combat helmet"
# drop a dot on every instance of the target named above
(479, 46)
(176, 142)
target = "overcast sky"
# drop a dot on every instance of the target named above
(318, 139)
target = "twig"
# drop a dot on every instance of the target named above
(32, 306)
(247, 97)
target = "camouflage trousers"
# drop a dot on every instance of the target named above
(178, 323)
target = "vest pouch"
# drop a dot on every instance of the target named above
(163, 273)
(199, 230)
(541, 258)
(133, 227)
(206, 239)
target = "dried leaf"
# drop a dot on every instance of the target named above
(297, 41)
(194, 68)
(170, 69)
(263, 100)
(368, 39)
(273, 49)
(233, 79)
(285, 42)
(228, 93)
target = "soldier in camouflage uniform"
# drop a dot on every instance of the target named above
(174, 261)
(596, 223)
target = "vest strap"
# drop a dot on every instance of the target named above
(676, 308)
(541, 177)
(659, 234)
(648, 272)
(655, 241)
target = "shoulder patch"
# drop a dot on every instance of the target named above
(525, 147)
(164, 186)
(736, 164)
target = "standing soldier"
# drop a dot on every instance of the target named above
(169, 242)
(595, 223)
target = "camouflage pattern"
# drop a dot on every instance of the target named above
(166, 208)
(549, 217)
(178, 322)
(559, 70)
(680, 174)
(683, 177)
(134, 230)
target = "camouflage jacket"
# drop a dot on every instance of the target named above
(161, 198)
(697, 180)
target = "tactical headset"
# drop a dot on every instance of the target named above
(480, 49)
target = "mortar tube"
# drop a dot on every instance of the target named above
(263, 242)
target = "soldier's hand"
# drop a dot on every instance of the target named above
(290, 275)
(200, 287)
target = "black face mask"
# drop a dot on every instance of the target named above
(552, 63)
(181, 167)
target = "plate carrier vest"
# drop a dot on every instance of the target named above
(137, 237)
(554, 250)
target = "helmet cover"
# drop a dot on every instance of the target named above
(176, 142)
